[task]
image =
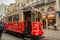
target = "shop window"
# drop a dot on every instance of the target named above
(16, 18)
(10, 18)
(27, 1)
(6, 20)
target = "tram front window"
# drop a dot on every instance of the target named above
(10, 18)
(36, 16)
(16, 18)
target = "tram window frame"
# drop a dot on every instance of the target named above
(6, 19)
(10, 19)
(36, 16)
(14, 17)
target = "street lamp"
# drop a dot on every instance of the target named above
(46, 20)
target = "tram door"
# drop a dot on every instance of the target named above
(27, 22)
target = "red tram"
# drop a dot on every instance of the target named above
(26, 22)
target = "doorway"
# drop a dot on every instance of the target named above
(27, 22)
(44, 24)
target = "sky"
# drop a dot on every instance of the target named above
(7, 2)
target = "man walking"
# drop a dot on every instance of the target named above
(1, 29)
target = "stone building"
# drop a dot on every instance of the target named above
(11, 8)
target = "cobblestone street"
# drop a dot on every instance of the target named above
(52, 34)
(49, 35)
(6, 36)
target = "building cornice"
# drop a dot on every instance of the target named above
(43, 4)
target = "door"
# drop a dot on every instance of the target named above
(27, 22)
(36, 23)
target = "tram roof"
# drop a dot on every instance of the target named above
(21, 10)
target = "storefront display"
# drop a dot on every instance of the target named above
(51, 16)
(51, 20)
(44, 20)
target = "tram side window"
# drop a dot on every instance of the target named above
(6, 20)
(16, 18)
(10, 18)
(34, 16)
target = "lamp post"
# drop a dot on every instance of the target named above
(57, 20)
(46, 20)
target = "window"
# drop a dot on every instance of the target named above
(16, 18)
(32, 0)
(10, 18)
(49, 0)
(42, 1)
(36, 16)
(27, 1)
(50, 9)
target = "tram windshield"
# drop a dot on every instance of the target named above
(36, 16)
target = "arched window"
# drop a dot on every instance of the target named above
(50, 9)
(42, 10)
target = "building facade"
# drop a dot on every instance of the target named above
(12, 8)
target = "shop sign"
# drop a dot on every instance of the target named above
(51, 15)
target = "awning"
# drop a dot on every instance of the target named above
(51, 16)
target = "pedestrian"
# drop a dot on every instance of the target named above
(55, 26)
(1, 29)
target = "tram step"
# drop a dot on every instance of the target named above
(28, 36)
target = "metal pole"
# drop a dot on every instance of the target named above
(47, 21)
(57, 19)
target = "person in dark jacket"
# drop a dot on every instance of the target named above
(1, 29)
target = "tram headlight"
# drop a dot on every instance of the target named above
(36, 33)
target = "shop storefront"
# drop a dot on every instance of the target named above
(51, 20)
